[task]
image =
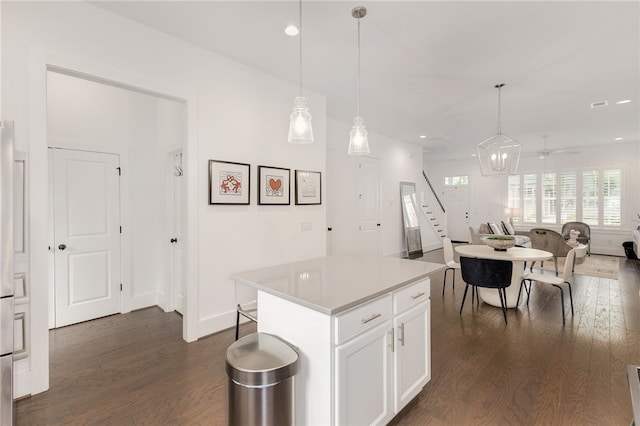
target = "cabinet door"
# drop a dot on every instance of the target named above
(412, 358)
(363, 378)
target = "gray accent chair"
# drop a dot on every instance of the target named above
(585, 233)
(551, 241)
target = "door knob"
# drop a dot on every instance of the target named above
(174, 240)
(62, 246)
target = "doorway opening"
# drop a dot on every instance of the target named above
(87, 116)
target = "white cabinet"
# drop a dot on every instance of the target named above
(412, 357)
(381, 369)
(363, 374)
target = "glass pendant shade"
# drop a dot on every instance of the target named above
(358, 140)
(300, 130)
(499, 155)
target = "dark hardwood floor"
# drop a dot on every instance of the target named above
(136, 369)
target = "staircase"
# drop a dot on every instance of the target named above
(433, 210)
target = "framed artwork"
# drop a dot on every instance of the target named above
(308, 189)
(229, 182)
(274, 185)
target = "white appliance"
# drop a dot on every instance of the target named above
(6, 273)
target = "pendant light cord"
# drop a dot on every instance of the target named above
(358, 79)
(499, 87)
(300, 46)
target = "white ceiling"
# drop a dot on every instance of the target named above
(429, 68)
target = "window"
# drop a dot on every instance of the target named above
(529, 198)
(456, 180)
(549, 198)
(514, 196)
(612, 195)
(592, 196)
(568, 197)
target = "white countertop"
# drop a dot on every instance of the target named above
(333, 284)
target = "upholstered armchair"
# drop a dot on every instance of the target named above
(551, 241)
(585, 233)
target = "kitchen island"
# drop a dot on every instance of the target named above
(361, 324)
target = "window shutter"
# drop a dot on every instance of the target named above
(529, 198)
(549, 197)
(611, 180)
(590, 180)
(568, 196)
(513, 192)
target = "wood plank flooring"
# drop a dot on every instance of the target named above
(135, 369)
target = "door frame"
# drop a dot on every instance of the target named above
(41, 61)
(125, 240)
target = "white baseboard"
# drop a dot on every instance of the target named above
(144, 301)
(216, 323)
(432, 246)
(608, 251)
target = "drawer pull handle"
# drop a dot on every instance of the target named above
(401, 338)
(370, 318)
(416, 296)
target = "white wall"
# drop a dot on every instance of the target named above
(489, 194)
(234, 113)
(399, 161)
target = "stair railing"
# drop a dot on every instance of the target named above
(433, 191)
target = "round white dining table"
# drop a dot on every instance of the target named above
(517, 255)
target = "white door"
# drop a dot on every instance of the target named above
(456, 201)
(86, 234)
(176, 229)
(363, 371)
(369, 202)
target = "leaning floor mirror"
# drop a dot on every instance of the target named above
(410, 217)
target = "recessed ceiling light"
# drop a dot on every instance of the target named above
(626, 101)
(292, 31)
(423, 136)
(617, 139)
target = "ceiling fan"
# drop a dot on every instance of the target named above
(544, 153)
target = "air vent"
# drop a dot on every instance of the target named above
(599, 104)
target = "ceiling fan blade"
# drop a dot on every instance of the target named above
(568, 150)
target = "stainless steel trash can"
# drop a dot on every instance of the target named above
(261, 367)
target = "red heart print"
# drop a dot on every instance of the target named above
(275, 184)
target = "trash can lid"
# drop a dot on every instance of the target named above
(261, 359)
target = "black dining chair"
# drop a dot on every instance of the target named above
(487, 273)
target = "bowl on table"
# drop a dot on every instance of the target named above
(500, 243)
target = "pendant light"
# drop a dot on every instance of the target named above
(358, 140)
(499, 154)
(300, 130)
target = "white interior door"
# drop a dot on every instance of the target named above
(86, 235)
(456, 201)
(176, 229)
(369, 200)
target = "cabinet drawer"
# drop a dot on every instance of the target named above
(362, 318)
(410, 296)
